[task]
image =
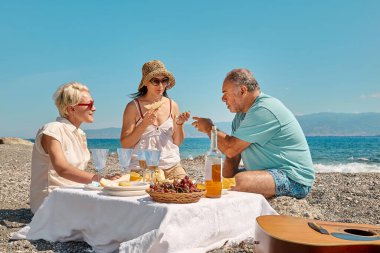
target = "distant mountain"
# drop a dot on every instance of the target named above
(318, 124)
(340, 124)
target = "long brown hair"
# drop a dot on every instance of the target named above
(143, 90)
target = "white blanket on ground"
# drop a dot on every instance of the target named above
(138, 224)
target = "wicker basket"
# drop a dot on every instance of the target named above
(179, 198)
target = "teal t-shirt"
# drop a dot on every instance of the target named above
(277, 140)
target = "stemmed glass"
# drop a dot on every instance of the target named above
(142, 162)
(152, 157)
(124, 155)
(99, 157)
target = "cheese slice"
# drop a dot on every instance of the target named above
(106, 182)
(124, 183)
(227, 183)
(154, 106)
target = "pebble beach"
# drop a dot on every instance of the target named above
(339, 197)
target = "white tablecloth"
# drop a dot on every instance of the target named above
(138, 224)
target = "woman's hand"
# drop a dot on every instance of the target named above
(182, 118)
(150, 117)
(113, 177)
(97, 177)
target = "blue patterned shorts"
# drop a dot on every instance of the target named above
(287, 187)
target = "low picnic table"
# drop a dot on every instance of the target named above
(138, 224)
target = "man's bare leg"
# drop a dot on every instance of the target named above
(259, 181)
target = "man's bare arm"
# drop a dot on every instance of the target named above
(229, 145)
(231, 166)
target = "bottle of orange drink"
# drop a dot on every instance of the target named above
(213, 168)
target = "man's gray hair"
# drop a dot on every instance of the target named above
(243, 77)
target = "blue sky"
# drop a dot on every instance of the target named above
(315, 56)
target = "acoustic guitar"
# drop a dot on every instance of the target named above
(278, 233)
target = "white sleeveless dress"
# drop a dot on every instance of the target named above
(157, 137)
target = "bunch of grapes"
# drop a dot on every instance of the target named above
(178, 186)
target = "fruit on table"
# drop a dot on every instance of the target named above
(159, 176)
(135, 176)
(177, 186)
(201, 186)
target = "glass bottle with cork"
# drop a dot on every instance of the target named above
(213, 168)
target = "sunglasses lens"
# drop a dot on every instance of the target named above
(156, 82)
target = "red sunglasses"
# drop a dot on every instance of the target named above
(89, 105)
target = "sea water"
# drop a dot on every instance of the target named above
(329, 154)
(345, 154)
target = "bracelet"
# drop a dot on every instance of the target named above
(179, 124)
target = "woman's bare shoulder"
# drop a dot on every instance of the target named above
(131, 107)
(174, 103)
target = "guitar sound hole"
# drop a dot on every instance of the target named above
(359, 232)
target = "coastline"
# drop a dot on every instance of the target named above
(340, 197)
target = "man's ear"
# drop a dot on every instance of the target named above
(243, 90)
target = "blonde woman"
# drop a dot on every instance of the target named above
(158, 127)
(60, 152)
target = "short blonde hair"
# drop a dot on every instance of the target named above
(68, 94)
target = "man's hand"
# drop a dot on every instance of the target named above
(203, 125)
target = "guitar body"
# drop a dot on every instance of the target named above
(278, 233)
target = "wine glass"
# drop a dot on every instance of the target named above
(124, 155)
(152, 157)
(99, 157)
(142, 162)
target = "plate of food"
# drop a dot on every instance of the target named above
(127, 186)
(124, 193)
(73, 186)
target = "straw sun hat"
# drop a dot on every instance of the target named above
(155, 68)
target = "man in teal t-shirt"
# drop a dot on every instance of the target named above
(266, 136)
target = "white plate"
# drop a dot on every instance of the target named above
(133, 187)
(71, 186)
(92, 187)
(124, 193)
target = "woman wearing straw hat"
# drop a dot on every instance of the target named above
(155, 127)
